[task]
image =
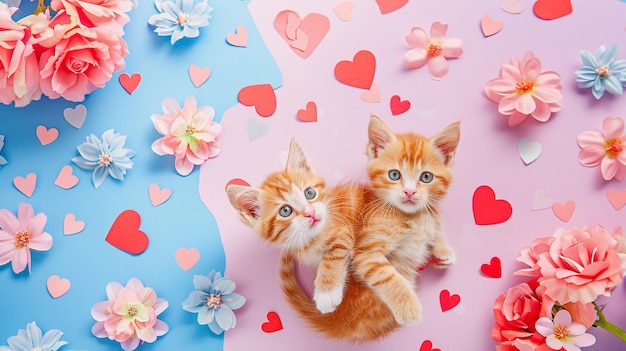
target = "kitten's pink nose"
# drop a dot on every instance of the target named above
(409, 193)
(309, 213)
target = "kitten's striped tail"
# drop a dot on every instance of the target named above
(295, 295)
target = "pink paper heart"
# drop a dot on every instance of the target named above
(387, 6)
(57, 287)
(314, 26)
(541, 201)
(616, 198)
(490, 27)
(157, 195)
(239, 38)
(565, 211)
(512, 6)
(371, 95)
(45, 135)
(344, 10)
(187, 258)
(71, 225)
(66, 179)
(26, 185)
(75, 116)
(199, 75)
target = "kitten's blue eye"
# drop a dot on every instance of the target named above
(285, 211)
(394, 174)
(310, 193)
(427, 177)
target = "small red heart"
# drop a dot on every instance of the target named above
(125, 234)
(448, 301)
(493, 269)
(552, 9)
(130, 83)
(387, 6)
(359, 72)
(399, 106)
(309, 114)
(488, 210)
(273, 323)
(261, 96)
(427, 345)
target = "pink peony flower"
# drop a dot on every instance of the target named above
(18, 235)
(606, 149)
(524, 90)
(129, 316)
(433, 50)
(562, 333)
(189, 133)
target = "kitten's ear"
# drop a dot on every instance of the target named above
(245, 199)
(379, 135)
(446, 142)
(296, 159)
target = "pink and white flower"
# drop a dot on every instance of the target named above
(562, 333)
(434, 49)
(606, 149)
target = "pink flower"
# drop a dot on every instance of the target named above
(18, 235)
(189, 133)
(562, 333)
(98, 12)
(129, 316)
(516, 312)
(524, 90)
(530, 255)
(607, 149)
(434, 50)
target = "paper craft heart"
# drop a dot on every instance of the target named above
(239, 38)
(256, 128)
(427, 345)
(448, 301)
(489, 27)
(512, 6)
(541, 201)
(552, 9)
(528, 150)
(309, 114)
(344, 10)
(399, 106)
(371, 95)
(565, 211)
(130, 83)
(302, 35)
(45, 135)
(75, 116)
(273, 323)
(158, 195)
(199, 75)
(493, 269)
(488, 210)
(65, 179)
(187, 258)
(616, 198)
(125, 234)
(359, 72)
(71, 225)
(26, 185)
(236, 181)
(387, 6)
(261, 96)
(57, 287)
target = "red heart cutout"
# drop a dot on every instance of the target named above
(493, 269)
(427, 345)
(125, 234)
(448, 301)
(488, 210)
(399, 106)
(359, 72)
(273, 323)
(309, 114)
(552, 9)
(130, 83)
(261, 96)
(387, 6)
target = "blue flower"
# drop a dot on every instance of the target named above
(214, 301)
(106, 156)
(3, 161)
(32, 339)
(602, 72)
(179, 19)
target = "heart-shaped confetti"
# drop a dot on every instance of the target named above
(26, 185)
(552, 9)
(487, 209)
(239, 38)
(309, 114)
(427, 345)
(448, 301)
(65, 179)
(387, 6)
(359, 72)
(493, 269)
(199, 75)
(399, 106)
(541, 201)
(130, 83)
(616, 198)
(344, 10)
(371, 95)
(256, 128)
(45, 135)
(489, 26)
(261, 96)
(75, 116)
(72, 226)
(564, 211)
(57, 286)
(529, 151)
(125, 234)
(273, 323)
(512, 6)
(158, 195)
(303, 35)
(187, 258)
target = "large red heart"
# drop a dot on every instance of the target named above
(387, 6)
(273, 323)
(261, 96)
(125, 234)
(488, 210)
(313, 27)
(427, 345)
(552, 9)
(493, 269)
(448, 301)
(359, 72)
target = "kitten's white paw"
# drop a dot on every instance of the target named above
(408, 311)
(443, 256)
(327, 301)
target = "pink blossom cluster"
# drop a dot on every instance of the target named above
(68, 54)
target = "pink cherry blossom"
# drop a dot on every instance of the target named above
(189, 133)
(433, 49)
(524, 90)
(562, 333)
(19, 235)
(606, 149)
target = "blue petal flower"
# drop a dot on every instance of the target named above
(180, 18)
(3, 161)
(32, 339)
(602, 72)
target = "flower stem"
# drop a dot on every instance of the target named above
(608, 326)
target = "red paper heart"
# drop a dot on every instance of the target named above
(261, 96)
(552, 9)
(309, 114)
(448, 301)
(493, 269)
(125, 234)
(359, 72)
(273, 323)
(427, 345)
(488, 210)
(387, 6)
(130, 83)
(399, 106)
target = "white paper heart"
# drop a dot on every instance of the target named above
(529, 151)
(75, 116)
(257, 128)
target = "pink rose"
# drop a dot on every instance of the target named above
(530, 256)
(516, 312)
(95, 13)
